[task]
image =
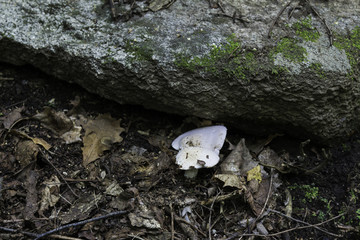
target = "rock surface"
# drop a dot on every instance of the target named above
(191, 59)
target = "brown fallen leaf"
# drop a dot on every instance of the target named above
(12, 117)
(231, 180)
(37, 141)
(82, 208)
(26, 151)
(100, 133)
(57, 122)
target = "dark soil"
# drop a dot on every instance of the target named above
(154, 200)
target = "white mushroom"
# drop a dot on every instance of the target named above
(199, 148)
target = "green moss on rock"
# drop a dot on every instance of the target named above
(351, 45)
(305, 30)
(141, 51)
(228, 58)
(290, 50)
(317, 68)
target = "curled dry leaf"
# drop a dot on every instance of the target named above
(38, 141)
(100, 133)
(49, 194)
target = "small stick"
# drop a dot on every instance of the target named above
(328, 30)
(277, 18)
(58, 172)
(17, 231)
(291, 229)
(79, 223)
(311, 225)
(172, 223)
(211, 209)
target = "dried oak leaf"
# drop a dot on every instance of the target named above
(57, 122)
(100, 133)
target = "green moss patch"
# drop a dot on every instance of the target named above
(228, 58)
(141, 51)
(290, 50)
(304, 29)
(351, 45)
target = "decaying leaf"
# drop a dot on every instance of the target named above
(72, 136)
(230, 180)
(38, 141)
(12, 117)
(144, 217)
(113, 188)
(254, 173)
(49, 194)
(82, 208)
(26, 151)
(57, 122)
(239, 160)
(100, 133)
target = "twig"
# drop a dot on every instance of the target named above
(241, 19)
(172, 223)
(311, 225)
(308, 225)
(79, 223)
(63, 237)
(211, 209)
(277, 18)
(136, 237)
(17, 231)
(328, 30)
(58, 172)
(180, 220)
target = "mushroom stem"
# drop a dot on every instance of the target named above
(191, 173)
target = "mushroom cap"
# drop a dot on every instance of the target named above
(196, 157)
(211, 138)
(199, 148)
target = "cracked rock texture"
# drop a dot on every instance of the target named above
(176, 59)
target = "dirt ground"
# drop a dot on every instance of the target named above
(105, 171)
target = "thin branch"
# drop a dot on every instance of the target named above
(172, 223)
(79, 223)
(308, 225)
(311, 225)
(277, 18)
(211, 210)
(58, 172)
(5, 229)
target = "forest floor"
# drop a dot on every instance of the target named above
(68, 157)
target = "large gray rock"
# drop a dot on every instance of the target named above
(191, 59)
